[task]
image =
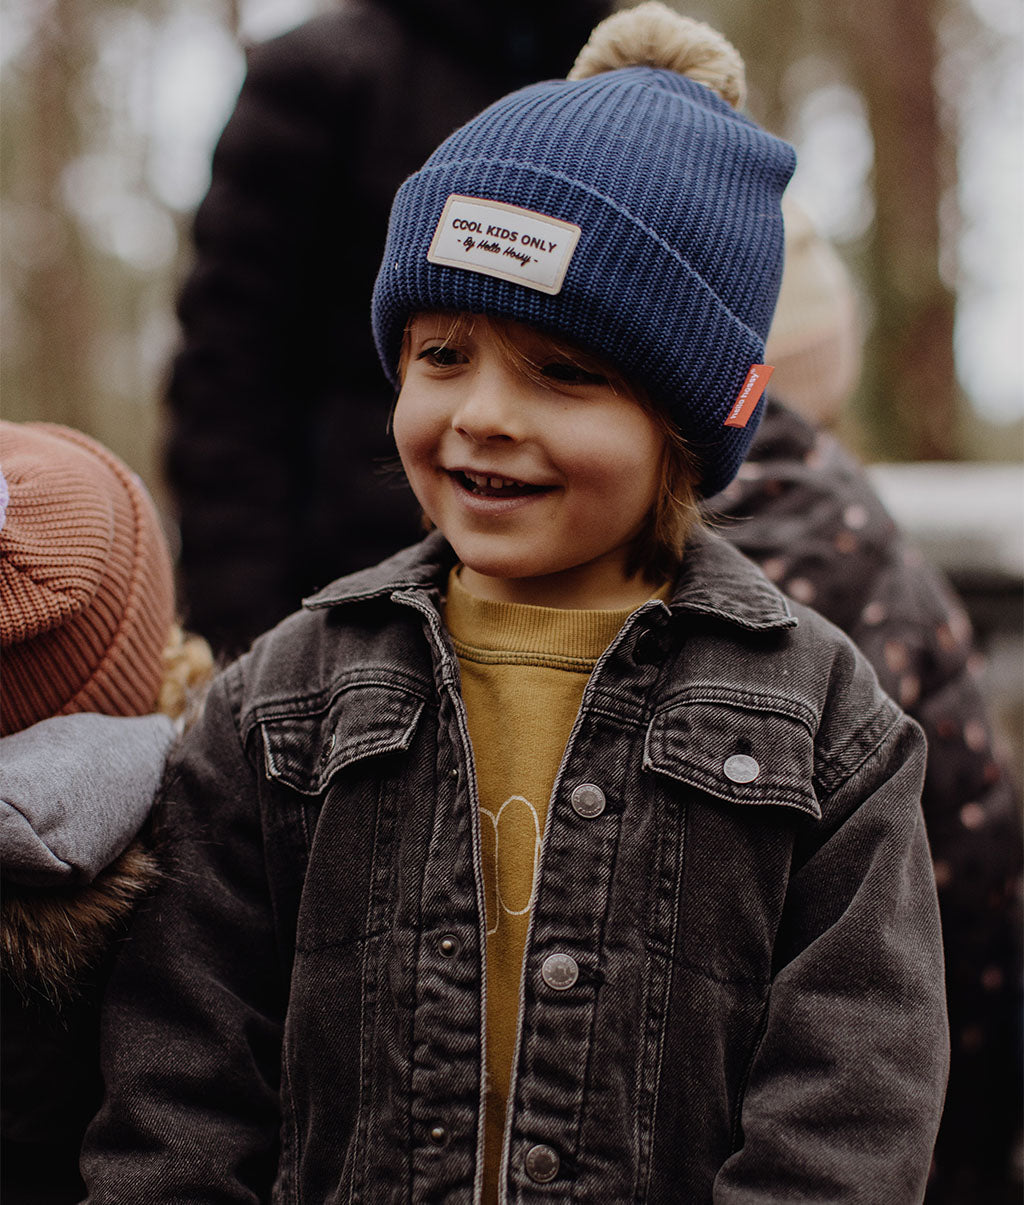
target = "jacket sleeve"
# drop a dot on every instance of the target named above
(845, 1089)
(255, 354)
(192, 1020)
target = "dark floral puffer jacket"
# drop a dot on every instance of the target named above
(802, 507)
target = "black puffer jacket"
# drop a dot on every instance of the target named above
(278, 405)
(804, 510)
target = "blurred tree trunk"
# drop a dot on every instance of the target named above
(56, 307)
(911, 385)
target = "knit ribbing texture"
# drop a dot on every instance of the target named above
(86, 589)
(677, 270)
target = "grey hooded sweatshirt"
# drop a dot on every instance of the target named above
(75, 792)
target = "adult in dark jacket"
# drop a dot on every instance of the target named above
(277, 438)
(277, 403)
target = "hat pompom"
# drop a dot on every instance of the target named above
(652, 35)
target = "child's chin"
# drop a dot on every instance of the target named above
(497, 569)
(505, 566)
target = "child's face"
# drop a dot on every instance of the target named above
(540, 485)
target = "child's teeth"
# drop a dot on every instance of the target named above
(486, 481)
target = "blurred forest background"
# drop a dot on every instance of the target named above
(907, 118)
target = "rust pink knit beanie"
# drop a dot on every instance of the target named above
(86, 588)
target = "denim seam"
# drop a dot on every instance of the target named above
(681, 843)
(741, 1091)
(599, 933)
(294, 1158)
(742, 700)
(680, 960)
(870, 736)
(637, 717)
(302, 706)
(409, 1067)
(342, 943)
(362, 1118)
(787, 797)
(282, 768)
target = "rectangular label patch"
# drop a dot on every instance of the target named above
(506, 241)
(749, 395)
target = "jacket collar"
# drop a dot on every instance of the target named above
(715, 580)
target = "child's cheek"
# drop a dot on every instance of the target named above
(415, 438)
(408, 431)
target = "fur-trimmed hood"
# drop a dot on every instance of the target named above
(51, 938)
(74, 793)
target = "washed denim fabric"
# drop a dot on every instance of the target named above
(753, 1010)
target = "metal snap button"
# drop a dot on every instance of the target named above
(438, 1135)
(542, 1163)
(559, 971)
(587, 800)
(449, 945)
(741, 768)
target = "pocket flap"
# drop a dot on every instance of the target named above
(745, 752)
(304, 750)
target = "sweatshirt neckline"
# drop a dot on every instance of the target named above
(503, 627)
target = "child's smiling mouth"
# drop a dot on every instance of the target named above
(490, 485)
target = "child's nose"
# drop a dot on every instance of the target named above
(486, 410)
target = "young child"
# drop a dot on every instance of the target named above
(558, 857)
(94, 669)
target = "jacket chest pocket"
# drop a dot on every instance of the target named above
(738, 773)
(333, 777)
(303, 749)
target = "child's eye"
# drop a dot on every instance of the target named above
(441, 356)
(571, 374)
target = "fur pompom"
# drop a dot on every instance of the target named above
(652, 35)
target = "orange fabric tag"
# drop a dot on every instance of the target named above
(749, 395)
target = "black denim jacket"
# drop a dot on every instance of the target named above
(733, 978)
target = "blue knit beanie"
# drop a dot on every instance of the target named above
(634, 213)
